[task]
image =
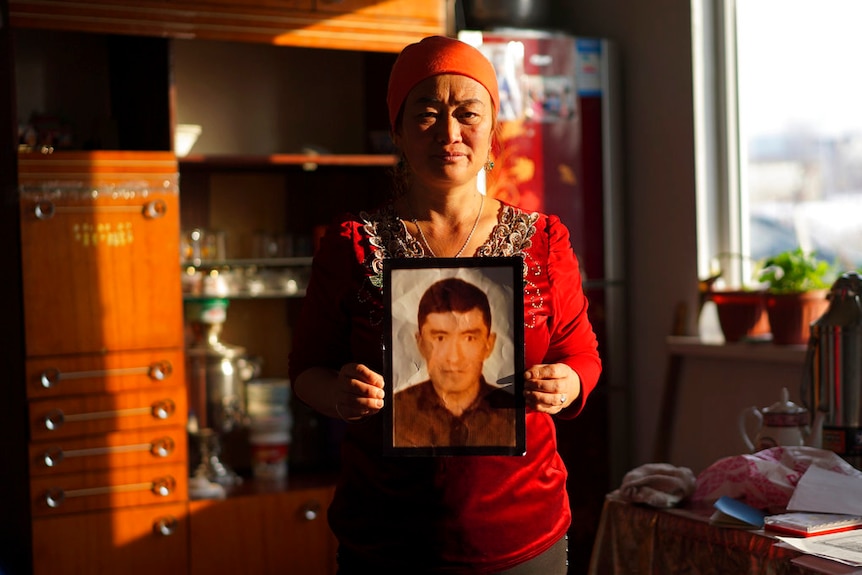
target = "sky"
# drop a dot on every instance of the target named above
(799, 63)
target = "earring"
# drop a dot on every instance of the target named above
(489, 165)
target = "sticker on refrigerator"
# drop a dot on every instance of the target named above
(550, 98)
(508, 61)
(588, 61)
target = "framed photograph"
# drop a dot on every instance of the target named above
(454, 369)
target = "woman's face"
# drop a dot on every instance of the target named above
(445, 131)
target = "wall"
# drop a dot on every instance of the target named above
(715, 385)
(267, 113)
(654, 43)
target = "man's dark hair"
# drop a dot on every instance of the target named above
(456, 295)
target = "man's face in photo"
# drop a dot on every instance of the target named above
(455, 346)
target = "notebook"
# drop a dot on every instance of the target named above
(731, 512)
(804, 524)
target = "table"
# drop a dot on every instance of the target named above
(634, 539)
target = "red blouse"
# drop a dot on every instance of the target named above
(476, 514)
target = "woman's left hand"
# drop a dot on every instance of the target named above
(551, 387)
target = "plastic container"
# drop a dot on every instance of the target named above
(267, 396)
(269, 439)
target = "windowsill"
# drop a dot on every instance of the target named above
(764, 351)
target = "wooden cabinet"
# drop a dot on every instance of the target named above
(105, 368)
(296, 538)
(385, 26)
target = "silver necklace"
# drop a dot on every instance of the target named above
(469, 236)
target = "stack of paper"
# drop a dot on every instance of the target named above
(823, 491)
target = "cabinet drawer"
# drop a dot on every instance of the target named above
(109, 451)
(110, 489)
(51, 419)
(99, 270)
(147, 540)
(105, 373)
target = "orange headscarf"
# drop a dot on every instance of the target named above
(432, 56)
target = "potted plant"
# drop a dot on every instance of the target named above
(741, 313)
(741, 309)
(798, 284)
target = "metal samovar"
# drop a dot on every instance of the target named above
(217, 373)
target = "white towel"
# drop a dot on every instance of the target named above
(657, 485)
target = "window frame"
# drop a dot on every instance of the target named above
(723, 235)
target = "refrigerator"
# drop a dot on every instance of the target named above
(558, 153)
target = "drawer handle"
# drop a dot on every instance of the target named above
(161, 409)
(52, 457)
(155, 209)
(162, 486)
(311, 511)
(46, 209)
(161, 447)
(157, 371)
(165, 525)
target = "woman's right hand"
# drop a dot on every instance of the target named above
(359, 392)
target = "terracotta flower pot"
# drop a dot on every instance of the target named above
(791, 315)
(741, 314)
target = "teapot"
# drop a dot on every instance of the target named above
(782, 423)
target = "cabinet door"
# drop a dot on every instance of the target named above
(142, 541)
(99, 256)
(272, 533)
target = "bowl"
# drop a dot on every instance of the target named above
(185, 136)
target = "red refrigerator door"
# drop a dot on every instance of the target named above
(537, 163)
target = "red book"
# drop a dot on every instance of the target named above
(802, 524)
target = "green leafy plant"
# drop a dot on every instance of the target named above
(797, 271)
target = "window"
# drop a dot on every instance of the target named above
(779, 132)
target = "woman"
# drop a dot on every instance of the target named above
(471, 514)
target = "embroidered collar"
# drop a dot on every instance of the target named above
(389, 237)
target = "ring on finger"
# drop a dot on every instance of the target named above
(563, 399)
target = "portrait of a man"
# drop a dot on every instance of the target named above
(453, 360)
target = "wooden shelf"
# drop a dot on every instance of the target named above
(298, 261)
(349, 25)
(306, 161)
(759, 351)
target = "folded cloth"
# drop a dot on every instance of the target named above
(656, 484)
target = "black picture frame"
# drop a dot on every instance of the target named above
(421, 423)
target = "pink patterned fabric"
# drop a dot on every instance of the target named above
(765, 479)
